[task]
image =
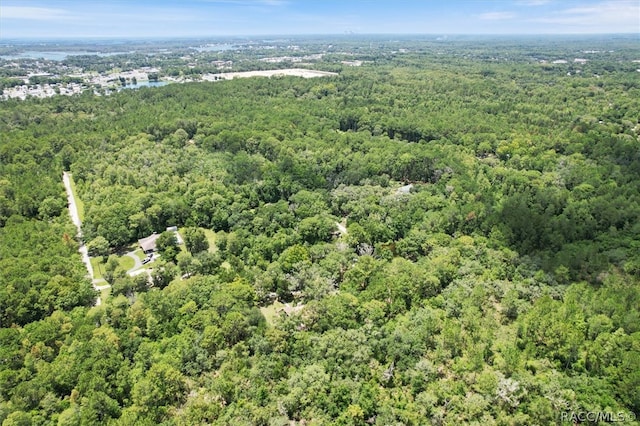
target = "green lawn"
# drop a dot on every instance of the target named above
(104, 294)
(126, 262)
(98, 267)
(79, 203)
(211, 238)
(269, 312)
(140, 254)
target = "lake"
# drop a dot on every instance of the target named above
(214, 48)
(55, 55)
(140, 84)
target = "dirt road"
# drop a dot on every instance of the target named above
(75, 218)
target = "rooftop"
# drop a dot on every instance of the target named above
(149, 243)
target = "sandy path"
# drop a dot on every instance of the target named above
(75, 218)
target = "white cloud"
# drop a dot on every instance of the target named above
(617, 16)
(533, 2)
(32, 13)
(497, 16)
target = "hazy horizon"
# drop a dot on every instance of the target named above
(275, 37)
(162, 19)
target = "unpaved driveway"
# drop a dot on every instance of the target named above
(75, 218)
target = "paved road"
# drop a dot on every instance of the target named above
(137, 263)
(75, 218)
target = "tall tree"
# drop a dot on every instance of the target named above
(195, 240)
(167, 246)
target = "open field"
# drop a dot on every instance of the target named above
(296, 72)
(211, 238)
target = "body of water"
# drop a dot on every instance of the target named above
(214, 48)
(140, 84)
(54, 56)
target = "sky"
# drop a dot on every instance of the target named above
(51, 19)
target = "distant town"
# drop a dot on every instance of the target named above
(40, 70)
(45, 70)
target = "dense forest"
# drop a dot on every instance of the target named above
(458, 238)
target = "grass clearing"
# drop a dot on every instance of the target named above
(98, 267)
(270, 312)
(126, 262)
(105, 293)
(79, 203)
(140, 254)
(211, 238)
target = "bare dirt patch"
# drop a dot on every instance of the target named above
(296, 72)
